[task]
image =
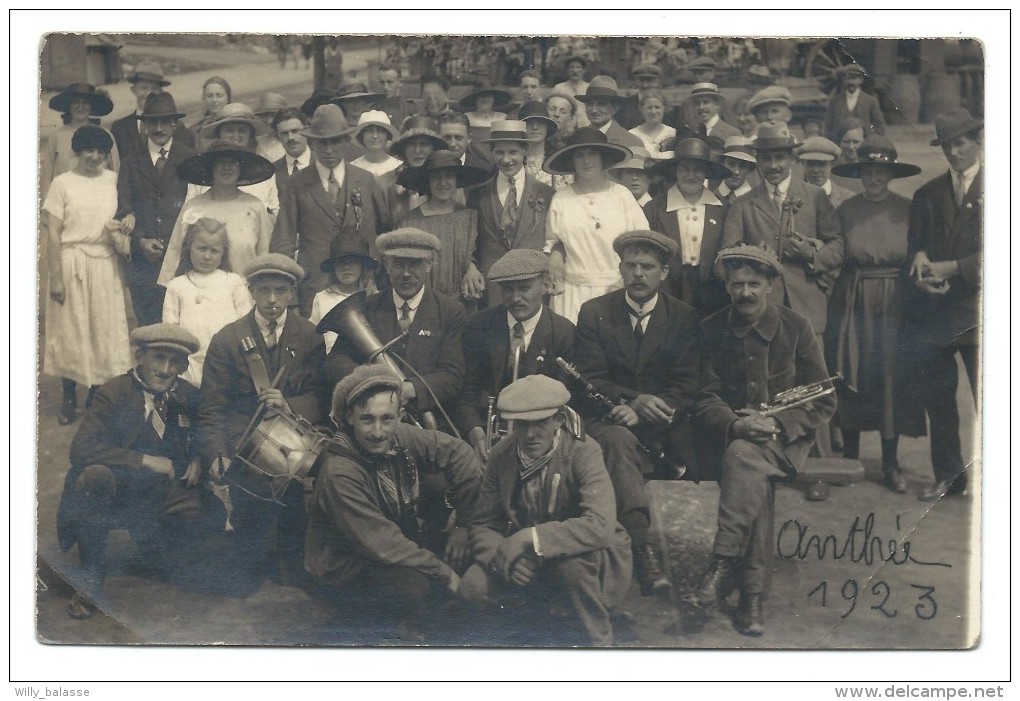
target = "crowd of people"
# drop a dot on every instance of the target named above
(373, 334)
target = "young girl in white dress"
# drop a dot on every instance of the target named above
(206, 295)
(350, 268)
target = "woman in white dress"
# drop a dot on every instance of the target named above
(86, 320)
(78, 105)
(652, 131)
(583, 220)
(375, 133)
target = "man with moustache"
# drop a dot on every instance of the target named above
(520, 336)
(851, 101)
(602, 100)
(816, 155)
(150, 195)
(288, 124)
(751, 351)
(575, 83)
(706, 101)
(129, 131)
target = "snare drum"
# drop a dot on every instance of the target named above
(281, 447)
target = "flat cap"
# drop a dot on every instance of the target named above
(702, 62)
(767, 96)
(362, 379)
(531, 398)
(648, 69)
(818, 148)
(643, 237)
(274, 264)
(169, 336)
(408, 242)
(519, 264)
(745, 251)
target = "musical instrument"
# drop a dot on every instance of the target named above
(662, 461)
(279, 447)
(796, 396)
(493, 432)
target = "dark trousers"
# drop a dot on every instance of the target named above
(937, 381)
(256, 522)
(626, 464)
(147, 302)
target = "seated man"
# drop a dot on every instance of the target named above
(132, 467)
(752, 350)
(545, 518)
(432, 322)
(638, 346)
(519, 337)
(268, 342)
(369, 536)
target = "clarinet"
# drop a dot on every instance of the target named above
(605, 404)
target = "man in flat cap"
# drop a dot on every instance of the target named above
(545, 522)
(431, 322)
(771, 105)
(647, 76)
(371, 544)
(816, 156)
(751, 351)
(129, 132)
(518, 337)
(133, 467)
(270, 359)
(851, 101)
(638, 346)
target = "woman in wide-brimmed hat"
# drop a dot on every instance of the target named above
(540, 130)
(222, 169)
(484, 105)
(584, 218)
(455, 226)
(866, 307)
(80, 104)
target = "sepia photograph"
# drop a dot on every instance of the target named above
(548, 341)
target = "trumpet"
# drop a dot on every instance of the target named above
(796, 396)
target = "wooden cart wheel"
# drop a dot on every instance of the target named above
(823, 61)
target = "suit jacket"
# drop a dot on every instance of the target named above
(946, 231)
(309, 222)
(781, 352)
(228, 397)
(701, 289)
(867, 110)
(129, 139)
(283, 176)
(621, 137)
(667, 365)
(432, 347)
(723, 130)
(530, 231)
(804, 287)
(396, 198)
(486, 346)
(629, 114)
(155, 199)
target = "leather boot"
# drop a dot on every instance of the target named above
(716, 584)
(646, 569)
(894, 479)
(749, 618)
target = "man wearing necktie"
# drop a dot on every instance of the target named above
(638, 346)
(942, 316)
(270, 357)
(132, 466)
(706, 102)
(287, 125)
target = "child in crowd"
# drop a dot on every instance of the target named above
(350, 268)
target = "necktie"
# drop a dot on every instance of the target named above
(777, 199)
(271, 336)
(157, 417)
(161, 161)
(295, 170)
(703, 129)
(509, 217)
(334, 187)
(960, 191)
(516, 349)
(405, 317)
(639, 331)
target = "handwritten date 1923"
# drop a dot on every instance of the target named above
(925, 608)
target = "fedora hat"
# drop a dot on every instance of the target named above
(374, 118)
(198, 169)
(692, 150)
(761, 75)
(235, 113)
(418, 125)
(537, 110)
(160, 105)
(706, 90)
(774, 137)
(150, 72)
(602, 87)
(271, 102)
(101, 104)
(417, 179)
(328, 122)
(561, 161)
(739, 147)
(500, 98)
(876, 150)
(507, 130)
(347, 246)
(949, 125)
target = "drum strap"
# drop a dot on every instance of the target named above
(256, 364)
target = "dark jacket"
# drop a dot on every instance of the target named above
(530, 231)
(867, 110)
(129, 139)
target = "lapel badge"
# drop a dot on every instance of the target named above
(713, 222)
(424, 332)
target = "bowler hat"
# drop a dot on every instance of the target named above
(501, 98)
(160, 105)
(774, 137)
(561, 161)
(328, 122)
(101, 103)
(507, 130)
(198, 169)
(163, 335)
(696, 151)
(417, 179)
(876, 150)
(531, 398)
(602, 87)
(346, 246)
(954, 123)
(538, 110)
(235, 113)
(150, 72)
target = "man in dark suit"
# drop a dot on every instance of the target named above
(638, 346)
(270, 359)
(522, 224)
(288, 125)
(691, 215)
(943, 311)
(396, 106)
(706, 102)
(455, 130)
(325, 199)
(129, 131)
(851, 101)
(150, 195)
(433, 324)
(519, 337)
(602, 102)
(751, 351)
(647, 76)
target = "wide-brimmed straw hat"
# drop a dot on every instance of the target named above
(374, 118)
(417, 179)
(160, 105)
(101, 104)
(328, 122)
(500, 98)
(418, 125)
(876, 150)
(561, 161)
(694, 150)
(235, 113)
(954, 123)
(537, 110)
(150, 72)
(602, 87)
(198, 169)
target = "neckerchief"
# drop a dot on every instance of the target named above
(160, 403)
(396, 478)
